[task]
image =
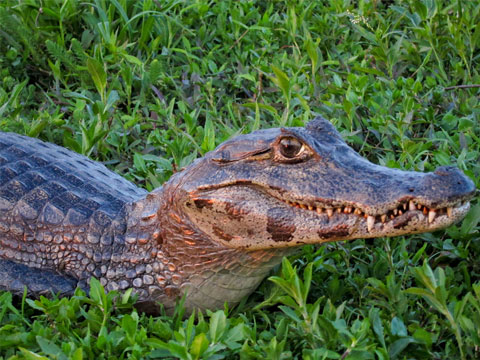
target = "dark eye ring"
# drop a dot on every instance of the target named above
(290, 147)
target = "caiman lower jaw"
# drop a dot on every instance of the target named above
(392, 220)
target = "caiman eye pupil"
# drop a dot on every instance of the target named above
(290, 147)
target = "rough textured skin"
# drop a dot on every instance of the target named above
(212, 231)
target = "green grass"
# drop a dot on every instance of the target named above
(147, 86)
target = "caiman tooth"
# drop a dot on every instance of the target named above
(339, 210)
(319, 210)
(411, 206)
(370, 222)
(395, 211)
(383, 218)
(425, 211)
(400, 212)
(310, 207)
(329, 212)
(405, 206)
(419, 207)
(357, 212)
(347, 210)
(431, 216)
(449, 211)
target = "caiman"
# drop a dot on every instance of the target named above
(215, 229)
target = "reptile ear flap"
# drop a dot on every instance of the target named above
(229, 155)
(240, 147)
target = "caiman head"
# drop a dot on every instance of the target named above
(285, 187)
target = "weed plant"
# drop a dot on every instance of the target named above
(147, 86)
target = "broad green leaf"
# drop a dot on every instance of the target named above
(428, 296)
(374, 316)
(218, 323)
(98, 74)
(208, 143)
(199, 345)
(112, 98)
(471, 220)
(398, 328)
(312, 51)
(129, 325)
(50, 348)
(97, 293)
(139, 162)
(30, 355)
(281, 80)
(132, 59)
(13, 97)
(155, 70)
(258, 105)
(398, 346)
(38, 126)
(290, 313)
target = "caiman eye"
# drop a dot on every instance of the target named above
(290, 147)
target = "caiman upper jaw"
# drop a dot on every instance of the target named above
(393, 214)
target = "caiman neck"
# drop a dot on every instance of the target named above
(183, 260)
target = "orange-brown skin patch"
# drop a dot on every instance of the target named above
(221, 234)
(280, 225)
(335, 232)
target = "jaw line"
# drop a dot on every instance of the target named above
(398, 211)
(318, 228)
(394, 221)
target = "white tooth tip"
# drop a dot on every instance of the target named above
(329, 212)
(431, 216)
(370, 222)
(384, 218)
(411, 206)
(449, 211)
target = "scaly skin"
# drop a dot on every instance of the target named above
(214, 230)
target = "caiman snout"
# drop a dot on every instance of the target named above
(449, 184)
(458, 178)
(447, 171)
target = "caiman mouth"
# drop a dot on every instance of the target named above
(434, 216)
(256, 217)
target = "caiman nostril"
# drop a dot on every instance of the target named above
(445, 170)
